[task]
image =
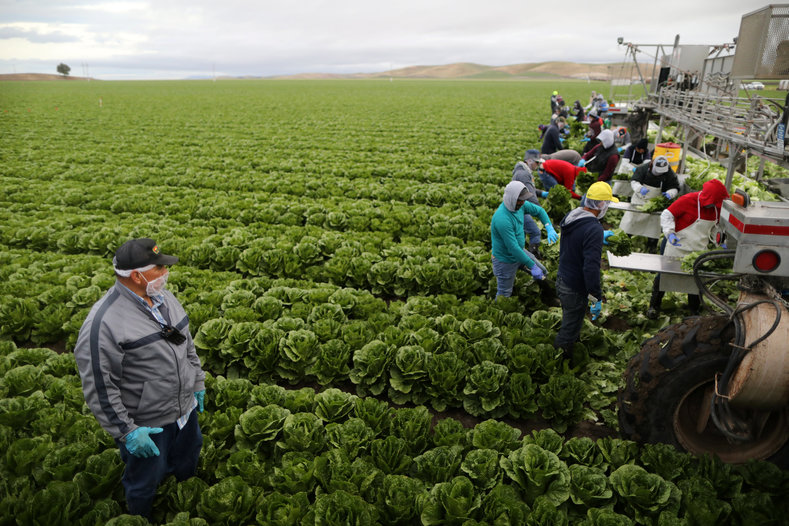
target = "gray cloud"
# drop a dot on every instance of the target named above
(270, 37)
(36, 36)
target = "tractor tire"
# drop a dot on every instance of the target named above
(668, 388)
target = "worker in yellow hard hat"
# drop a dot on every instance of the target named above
(580, 250)
(554, 102)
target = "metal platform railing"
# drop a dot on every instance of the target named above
(749, 123)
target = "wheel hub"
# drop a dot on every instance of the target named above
(697, 433)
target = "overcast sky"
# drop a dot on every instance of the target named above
(174, 39)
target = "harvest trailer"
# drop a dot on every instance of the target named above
(720, 383)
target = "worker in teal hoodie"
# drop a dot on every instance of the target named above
(508, 239)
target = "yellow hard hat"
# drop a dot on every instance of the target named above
(601, 191)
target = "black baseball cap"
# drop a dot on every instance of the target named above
(138, 253)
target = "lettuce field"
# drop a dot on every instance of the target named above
(335, 265)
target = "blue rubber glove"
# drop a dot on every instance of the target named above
(582, 162)
(537, 272)
(553, 237)
(620, 149)
(665, 194)
(140, 444)
(634, 169)
(723, 246)
(673, 239)
(543, 193)
(595, 309)
(561, 140)
(200, 397)
(585, 139)
(606, 235)
(644, 191)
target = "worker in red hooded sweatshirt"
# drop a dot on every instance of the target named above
(688, 224)
(555, 171)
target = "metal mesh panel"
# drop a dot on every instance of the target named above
(763, 44)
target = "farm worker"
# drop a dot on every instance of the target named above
(551, 142)
(554, 102)
(622, 138)
(650, 180)
(523, 173)
(578, 111)
(141, 377)
(603, 157)
(508, 239)
(592, 100)
(637, 153)
(580, 251)
(687, 225)
(570, 156)
(595, 127)
(555, 171)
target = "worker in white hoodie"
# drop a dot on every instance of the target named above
(603, 158)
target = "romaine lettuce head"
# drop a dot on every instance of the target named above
(452, 502)
(482, 467)
(504, 506)
(413, 425)
(589, 486)
(282, 509)
(229, 501)
(333, 405)
(260, 424)
(496, 435)
(400, 499)
(645, 494)
(352, 436)
(375, 413)
(538, 473)
(439, 464)
(302, 432)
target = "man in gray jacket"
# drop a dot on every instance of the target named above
(141, 376)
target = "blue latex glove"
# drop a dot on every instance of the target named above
(585, 139)
(139, 443)
(665, 194)
(543, 193)
(582, 162)
(561, 140)
(673, 239)
(552, 236)
(595, 309)
(620, 149)
(634, 169)
(537, 272)
(723, 246)
(606, 235)
(644, 191)
(200, 397)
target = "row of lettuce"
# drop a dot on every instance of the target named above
(276, 456)
(490, 358)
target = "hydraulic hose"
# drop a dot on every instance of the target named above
(733, 427)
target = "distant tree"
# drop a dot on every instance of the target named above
(63, 69)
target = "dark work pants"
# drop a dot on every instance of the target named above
(179, 450)
(573, 311)
(694, 300)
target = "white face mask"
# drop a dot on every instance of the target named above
(603, 211)
(157, 286)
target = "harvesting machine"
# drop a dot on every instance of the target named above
(719, 383)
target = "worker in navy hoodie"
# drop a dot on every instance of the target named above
(580, 252)
(551, 141)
